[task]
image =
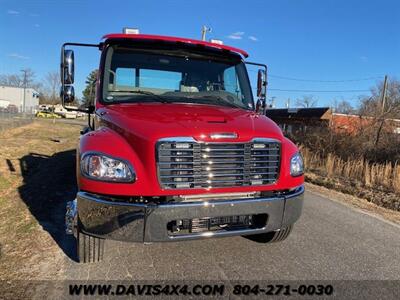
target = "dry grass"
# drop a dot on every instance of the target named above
(24, 153)
(372, 175)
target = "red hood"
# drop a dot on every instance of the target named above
(148, 122)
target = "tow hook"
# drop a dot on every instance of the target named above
(70, 217)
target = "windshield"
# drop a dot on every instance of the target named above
(134, 75)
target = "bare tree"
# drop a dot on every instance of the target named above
(17, 80)
(372, 105)
(306, 101)
(52, 86)
(344, 107)
(381, 108)
(11, 80)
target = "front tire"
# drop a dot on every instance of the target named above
(90, 248)
(272, 237)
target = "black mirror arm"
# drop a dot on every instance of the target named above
(257, 64)
(90, 109)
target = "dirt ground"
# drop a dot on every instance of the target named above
(37, 178)
(12, 121)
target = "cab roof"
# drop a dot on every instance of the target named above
(171, 39)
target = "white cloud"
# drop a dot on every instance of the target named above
(13, 12)
(234, 37)
(17, 56)
(37, 25)
(238, 35)
(253, 38)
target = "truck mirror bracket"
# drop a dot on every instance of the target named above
(89, 110)
(262, 83)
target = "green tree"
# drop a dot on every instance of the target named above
(90, 90)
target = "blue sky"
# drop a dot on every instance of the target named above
(301, 39)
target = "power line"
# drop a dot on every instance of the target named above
(316, 80)
(319, 91)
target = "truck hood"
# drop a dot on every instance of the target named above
(149, 122)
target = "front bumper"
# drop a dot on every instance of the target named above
(136, 222)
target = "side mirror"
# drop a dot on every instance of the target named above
(67, 67)
(67, 94)
(261, 91)
(261, 84)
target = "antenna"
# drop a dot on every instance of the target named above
(272, 105)
(288, 103)
(204, 31)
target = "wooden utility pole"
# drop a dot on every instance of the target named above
(383, 102)
(23, 105)
(383, 99)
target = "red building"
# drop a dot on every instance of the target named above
(356, 123)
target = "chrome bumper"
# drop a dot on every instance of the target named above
(135, 222)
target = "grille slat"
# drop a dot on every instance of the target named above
(263, 155)
(209, 165)
(264, 161)
(219, 150)
(224, 162)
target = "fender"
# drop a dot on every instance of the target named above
(107, 141)
(288, 150)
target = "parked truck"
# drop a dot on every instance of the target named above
(177, 148)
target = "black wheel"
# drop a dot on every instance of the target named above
(90, 248)
(271, 237)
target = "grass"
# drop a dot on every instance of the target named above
(373, 175)
(24, 156)
(4, 184)
(356, 176)
(26, 227)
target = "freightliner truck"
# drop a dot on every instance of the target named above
(178, 148)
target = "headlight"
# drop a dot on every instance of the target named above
(98, 166)
(296, 165)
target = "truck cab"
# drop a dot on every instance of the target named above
(178, 147)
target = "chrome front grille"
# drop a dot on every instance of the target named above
(186, 164)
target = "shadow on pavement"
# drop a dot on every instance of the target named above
(49, 182)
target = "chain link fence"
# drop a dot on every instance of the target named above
(12, 118)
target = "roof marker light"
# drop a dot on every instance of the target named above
(215, 41)
(128, 30)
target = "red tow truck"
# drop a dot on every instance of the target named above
(177, 148)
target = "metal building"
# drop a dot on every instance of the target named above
(14, 97)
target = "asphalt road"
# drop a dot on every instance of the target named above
(331, 241)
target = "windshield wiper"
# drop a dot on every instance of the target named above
(147, 93)
(230, 103)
